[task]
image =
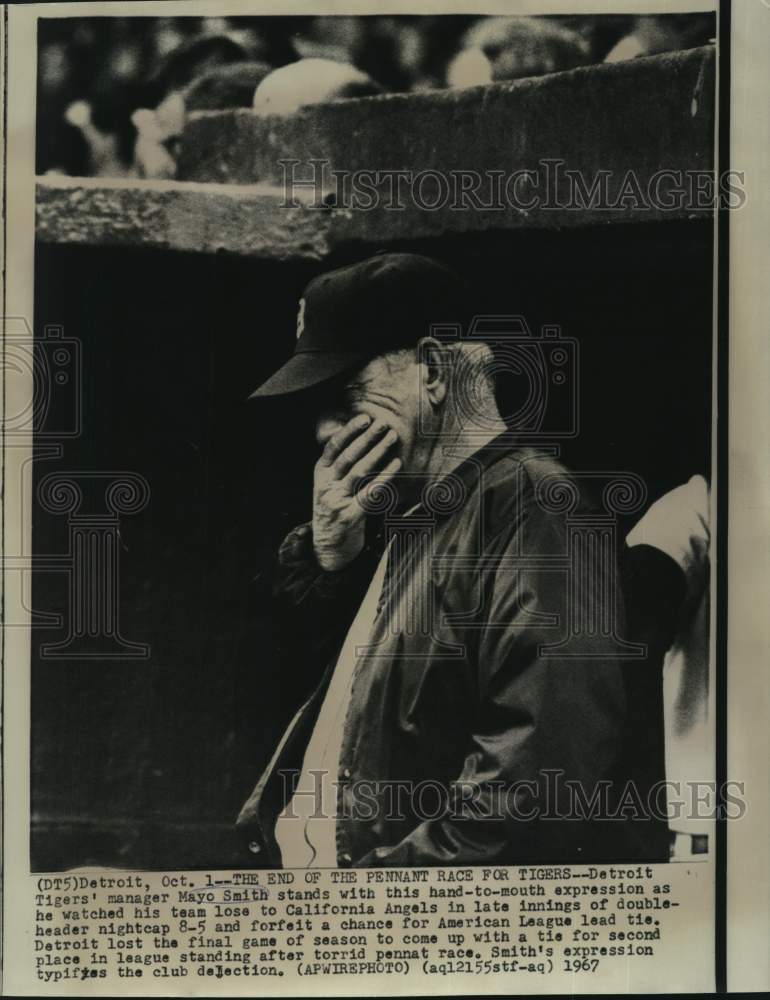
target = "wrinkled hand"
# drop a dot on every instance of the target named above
(357, 450)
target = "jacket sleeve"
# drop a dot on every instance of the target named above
(312, 608)
(538, 712)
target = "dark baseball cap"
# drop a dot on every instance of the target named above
(355, 313)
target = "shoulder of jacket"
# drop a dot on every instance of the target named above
(510, 487)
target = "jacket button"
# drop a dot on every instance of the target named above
(346, 858)
(254, 847)
(346, 773)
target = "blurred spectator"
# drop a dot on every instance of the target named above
(191, 59)
(310, 81)
(159, 130)
(650, 35)
(103, 157)
(599, 31)
(506, 48)
(209, 72)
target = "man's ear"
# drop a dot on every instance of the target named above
(435, 359)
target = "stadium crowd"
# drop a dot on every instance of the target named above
(114, 92)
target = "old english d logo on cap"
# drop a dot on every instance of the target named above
(301, 318)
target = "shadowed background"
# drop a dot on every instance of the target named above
(144, 763)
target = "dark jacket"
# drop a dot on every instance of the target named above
(497, 682)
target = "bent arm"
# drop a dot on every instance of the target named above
(311, 607)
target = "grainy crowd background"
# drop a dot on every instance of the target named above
(114, 92)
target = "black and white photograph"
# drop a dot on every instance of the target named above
(407, 514)
(377, 476)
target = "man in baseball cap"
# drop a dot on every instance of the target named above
(375, 379)
(427, 639)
